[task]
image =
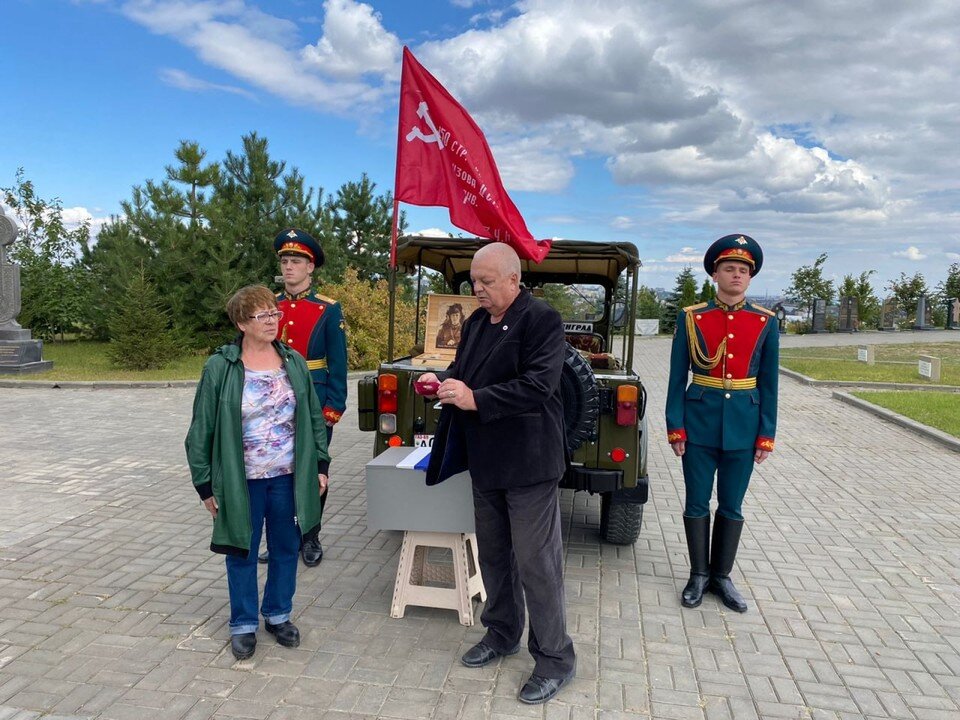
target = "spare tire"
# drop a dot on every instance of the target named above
(581, 401)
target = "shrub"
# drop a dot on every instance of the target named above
(366, 314)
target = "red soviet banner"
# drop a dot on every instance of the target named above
(443, 159)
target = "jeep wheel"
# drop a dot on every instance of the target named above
(619, 522)
(581, 401)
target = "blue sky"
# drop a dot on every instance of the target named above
(814, 127)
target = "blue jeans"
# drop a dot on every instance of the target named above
(271, 499)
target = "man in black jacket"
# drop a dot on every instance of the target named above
(503, 420)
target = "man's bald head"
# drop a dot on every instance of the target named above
(503, 256)
(495, 274)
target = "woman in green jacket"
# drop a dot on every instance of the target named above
(257, 450)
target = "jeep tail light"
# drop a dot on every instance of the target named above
(618, 455)
(627, 405)
(395, 441)
(387, 423)
(387, 393)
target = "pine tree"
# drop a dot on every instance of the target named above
(362, 226)
(684, 293)
(707, 291)
(141, 336)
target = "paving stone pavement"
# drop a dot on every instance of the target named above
(111, 605)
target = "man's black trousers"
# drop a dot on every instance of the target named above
(521, 555)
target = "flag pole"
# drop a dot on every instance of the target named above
(393, 274)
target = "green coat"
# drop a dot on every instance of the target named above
(214, 447)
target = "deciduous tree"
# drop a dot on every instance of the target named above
(807, 284)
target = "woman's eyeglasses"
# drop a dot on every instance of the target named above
(267, 316)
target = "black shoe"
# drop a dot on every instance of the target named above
(692, 594)
(482, 654)
(285, 632)
(311, 551)
(243, 645)
(540, 689)
(724, 589)
(264, 557)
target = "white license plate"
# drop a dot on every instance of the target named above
(422, 440)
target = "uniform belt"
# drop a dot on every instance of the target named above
(725, 383)
(320, 364)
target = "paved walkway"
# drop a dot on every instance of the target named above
(111, 605)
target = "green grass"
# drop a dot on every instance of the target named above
(87, 360)
(939, 410)
(894, 363)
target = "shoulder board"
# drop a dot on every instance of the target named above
(762, 309)
(698, 306)
(326, 299)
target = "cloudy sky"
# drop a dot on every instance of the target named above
(812, 125)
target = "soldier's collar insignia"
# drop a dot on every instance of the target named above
(730, 308)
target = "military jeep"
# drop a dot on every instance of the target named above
(604, 399)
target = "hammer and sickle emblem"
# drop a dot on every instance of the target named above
(416, 133)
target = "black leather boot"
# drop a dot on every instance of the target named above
(726, 540)
(697, 531)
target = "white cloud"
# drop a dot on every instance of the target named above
(953, 256)
(911, 253)
(261, 50)
(686, 256)
(185, 81)
(354, 42)
(432, 232)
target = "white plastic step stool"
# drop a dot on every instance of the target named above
(462, 578)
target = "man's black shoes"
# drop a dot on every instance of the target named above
(482, 654)
(243, 645)
(285, 632)
(311, 551)
(540, 689)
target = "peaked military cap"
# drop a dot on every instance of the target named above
(734, 247)
(293, 241)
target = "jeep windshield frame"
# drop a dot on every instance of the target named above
(568, 262)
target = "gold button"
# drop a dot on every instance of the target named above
(289, 322)
(730, 355)
(729, 375)
(727, 395)
(293, 305)
(699, 316)
(729, 317)
(763, 319)
(730, 335)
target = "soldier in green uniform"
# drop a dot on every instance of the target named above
(725, 420)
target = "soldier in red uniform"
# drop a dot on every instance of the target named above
(725, 420)
(312, 324)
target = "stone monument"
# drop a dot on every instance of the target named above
(848, 320)
(18, 353)
(819, 316)
(924, 313)
(781, 316)
(888, 315)
(953, 314)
